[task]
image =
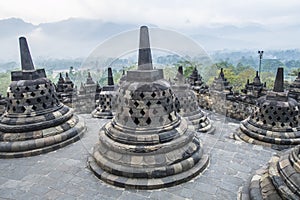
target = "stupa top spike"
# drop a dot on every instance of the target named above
(26, 61)
(221, 74)
(145, 58)
(257, 74)
(110, 79)
(278, 85)
(179, 77)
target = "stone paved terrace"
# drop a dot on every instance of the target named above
(63, 174)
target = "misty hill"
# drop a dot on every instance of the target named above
(76, 37)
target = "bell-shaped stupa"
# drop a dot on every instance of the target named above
(35, 121)
(147, 145)
(107, 99)
(280, 179)
(275, 120)
(189, 107)
(294, 90)
(255, 89)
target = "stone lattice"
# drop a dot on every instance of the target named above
(189, 107)
(84, 102)
(65, 90)
(255, 89)
(2, 104)
(147, 145)
(294, 90)
(280, 179)
(35, 121)
(275, 120)
(107, 99)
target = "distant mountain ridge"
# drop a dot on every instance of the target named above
(76, 37)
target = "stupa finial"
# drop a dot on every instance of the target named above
(145, 58)
(26, 61)
(110, 79)
(278, 85)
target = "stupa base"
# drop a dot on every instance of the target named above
(253, 135)
(33, 147)
(148, 184)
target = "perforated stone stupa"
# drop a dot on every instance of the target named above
(35, 121)
(280, 179)
(107, 99)
(275, 121)
(255, 89)
(84, 101)
(294, 90)
(147, 145)
(65, 90)
(189, 107)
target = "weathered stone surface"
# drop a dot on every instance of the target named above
(274, 122)
(280, 179)
(85, 100)
(35, 121)
(147, 145)
(65, 90)
(106, 102)
(294, 89)
(189, 108)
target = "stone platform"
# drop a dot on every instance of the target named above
(63, 174)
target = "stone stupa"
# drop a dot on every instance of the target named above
(255, 89)
(294, 89)
(280, 179)
(107, 99)
(35, 121)
(189, 107)
(147, 145)
(275, 120)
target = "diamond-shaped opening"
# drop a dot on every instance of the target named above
(22, 95)
(148, 121)
(153, 94)
(271, 107)
(39, 100)
(136, 121)
(163, 93)
(32, 94)
(278, 118)
(136, 104)
(142, 95)
(44, 105)
(34, 107)
(18, 102)
(46, 86)
(27, 88)
(283, 113)
(37, 87)
(23, 109)
(279, 108)
(264, 121)
(270, 117)
(273, 123)
(291, 124)
(50, 91)
(158, 102)
(28, 101)
(142, 112)
(130, 111)
(14, 108)
(148, 103)
(170, 117)
(275, 113)
(42, 92)
(168, 100)
(282, 124)
(18, 89)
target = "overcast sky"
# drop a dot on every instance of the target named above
(174, 13)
